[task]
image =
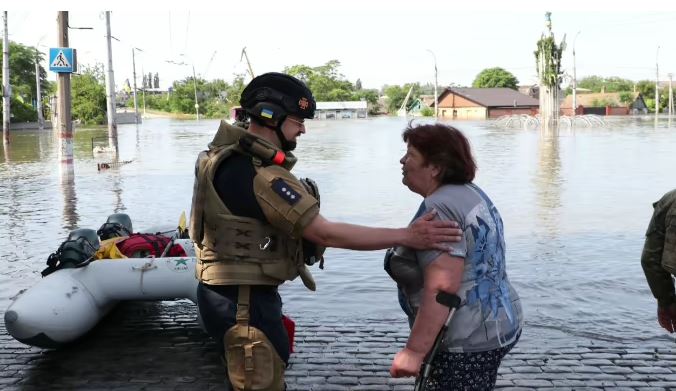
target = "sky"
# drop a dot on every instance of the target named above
(378, 42)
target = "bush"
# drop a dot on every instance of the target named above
(21, 112)
(215, 109)
(427, 111)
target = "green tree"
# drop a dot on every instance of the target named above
(495, 77)
(89, 95)
(646, 88)
(427, 89)
(215, 97)
(650, 103)
(592, 83)
(548, 60)
(626, 98)
(397, 94)
(370, 95)
(215, 103)
(152, 101)
(616, 84)
(610, 84)
(22, 80)
(182, 99)
(302, 72)
(325, 81)
(234, 90)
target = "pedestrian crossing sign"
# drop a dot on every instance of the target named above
(62, 60)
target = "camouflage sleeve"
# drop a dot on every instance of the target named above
(658, 252)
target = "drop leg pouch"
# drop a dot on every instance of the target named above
(253, 362)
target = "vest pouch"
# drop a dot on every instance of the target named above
(286, 267)
(253, 363)
(283, 270)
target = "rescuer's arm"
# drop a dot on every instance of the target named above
(424, 233)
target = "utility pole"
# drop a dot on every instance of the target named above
(194, 83)
(110, 89)
(5, 81)
(657, 82)
(436, 96)
(65, 123)
(671, 96)
(133, 63)
(248, 63)
(574, 78)
(41, 119)
(144, 92)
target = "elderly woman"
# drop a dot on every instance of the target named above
(439, 166)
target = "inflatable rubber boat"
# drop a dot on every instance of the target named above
(78, 289)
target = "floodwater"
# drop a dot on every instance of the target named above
(575, 208)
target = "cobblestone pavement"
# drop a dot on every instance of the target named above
(160, 346)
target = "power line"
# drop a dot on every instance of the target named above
(171, 47)
(187, 30)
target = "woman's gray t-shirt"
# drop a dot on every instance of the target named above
(490, 314)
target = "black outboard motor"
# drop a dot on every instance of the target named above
(77, 251)
(117, 225)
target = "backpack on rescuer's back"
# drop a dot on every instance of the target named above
(144, 245)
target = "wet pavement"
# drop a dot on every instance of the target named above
(160, 346)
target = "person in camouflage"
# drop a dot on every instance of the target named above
(659, 259)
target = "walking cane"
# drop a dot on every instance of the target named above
(452, 302)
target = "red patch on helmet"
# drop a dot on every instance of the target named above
(303, 103)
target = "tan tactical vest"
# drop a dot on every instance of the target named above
(234, 250)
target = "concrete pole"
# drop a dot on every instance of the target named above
(671, 96)
(574, 79)
(657, 83)
(64, 119)
(5, 81)
(41, 119)
(110, 90)
(144, 93)
(436, 95)
(194, 82)
(133, 63)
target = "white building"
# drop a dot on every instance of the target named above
(340, 110)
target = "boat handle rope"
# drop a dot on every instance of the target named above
(146, 266)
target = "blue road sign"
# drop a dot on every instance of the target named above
(62, 60)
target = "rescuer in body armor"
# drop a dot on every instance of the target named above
(255, 225)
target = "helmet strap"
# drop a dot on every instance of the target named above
(286, 144)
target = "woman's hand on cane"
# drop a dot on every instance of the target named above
(406, 363)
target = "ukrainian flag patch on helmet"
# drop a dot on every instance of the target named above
(267, 113)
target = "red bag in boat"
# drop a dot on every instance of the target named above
(145, 245)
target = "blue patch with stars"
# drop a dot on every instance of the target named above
(285, 191)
